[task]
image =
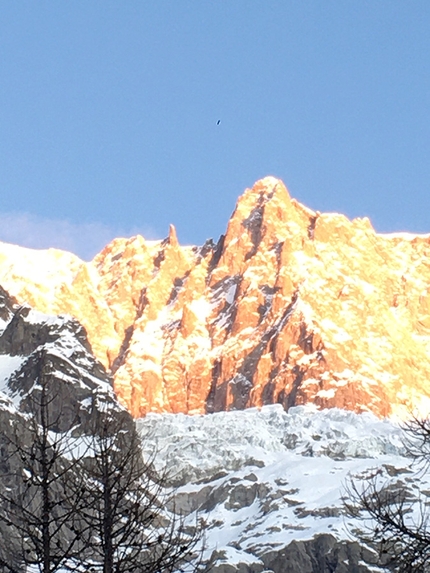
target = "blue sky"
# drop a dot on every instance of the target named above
(109, 110)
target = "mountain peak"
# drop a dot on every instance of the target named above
(262, 192)
(267, 185)
(292, 306)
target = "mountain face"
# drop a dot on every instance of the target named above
(268, 483)
(31, 342)
(290, 306)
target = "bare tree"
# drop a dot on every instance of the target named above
(44, 530)
(77, 495)
(126, 507)
(396, 520)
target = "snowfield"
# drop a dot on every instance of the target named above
(264, 478)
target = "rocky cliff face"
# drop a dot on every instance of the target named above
(290, 306)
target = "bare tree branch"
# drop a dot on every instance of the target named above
(395, 522)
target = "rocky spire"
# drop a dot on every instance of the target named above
(172, 238)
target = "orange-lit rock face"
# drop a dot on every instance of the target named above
(291, 306)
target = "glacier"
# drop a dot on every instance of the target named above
(266, 479)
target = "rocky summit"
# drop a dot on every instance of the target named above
(290, 306)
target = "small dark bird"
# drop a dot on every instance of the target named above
(218, 122)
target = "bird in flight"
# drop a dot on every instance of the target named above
(218, 122)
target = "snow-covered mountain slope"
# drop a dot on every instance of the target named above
(290, 306)
(31, 343)
(269, 483)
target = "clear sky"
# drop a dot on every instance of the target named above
(109, 111)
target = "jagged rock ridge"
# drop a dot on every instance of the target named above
(290, 306)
